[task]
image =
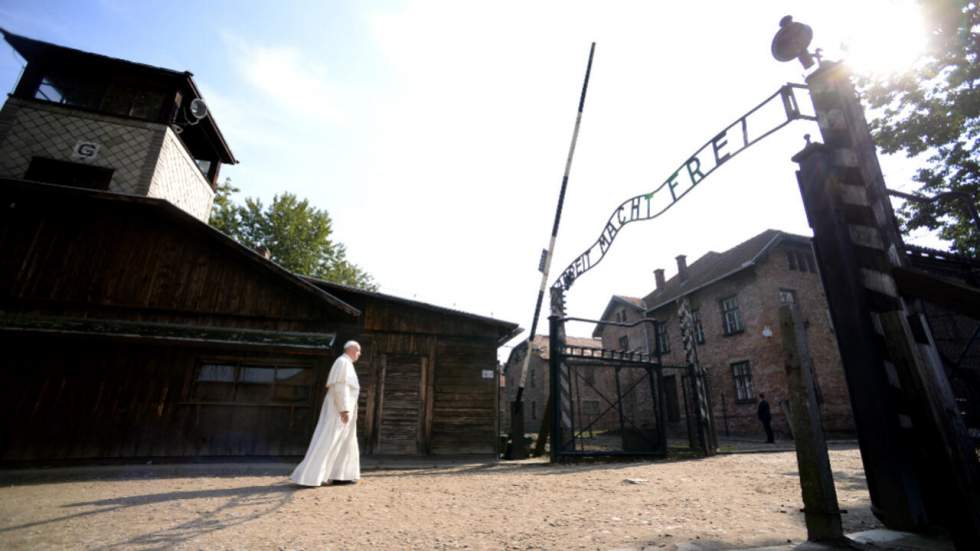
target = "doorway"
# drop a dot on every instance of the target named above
(400, 407)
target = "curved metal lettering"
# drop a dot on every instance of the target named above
(728, 143)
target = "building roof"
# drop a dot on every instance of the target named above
(713, 266)
(15, 191)
(542, 345)
(37, 51)
(955, 267)
(507, 330)
(613, 302)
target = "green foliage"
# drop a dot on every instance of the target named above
(934, 110)
(296, 234)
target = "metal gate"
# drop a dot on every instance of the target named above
(620, 403)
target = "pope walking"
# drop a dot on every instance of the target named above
(333, 454)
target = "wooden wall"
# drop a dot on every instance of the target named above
(77, 254)
(96, 398)
(425, 394)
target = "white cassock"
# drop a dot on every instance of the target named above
(333, 453)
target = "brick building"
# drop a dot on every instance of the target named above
(735, 297)
(536, 390)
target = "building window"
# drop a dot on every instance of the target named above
(127, 99)
(787, 296)
(532, 378)
(589, 376)
(534, 410)
(742, 375)
(590, 408)
(801, 261)
(698, 328)
(731, 318)
(663, 340)
(64, 173)
(624, 343)
(253, 384)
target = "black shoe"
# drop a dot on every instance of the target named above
(342, 482)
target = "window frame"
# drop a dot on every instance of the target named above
(624, 343)
(727, 327)
(744, 392)
(239, 366)
(697, 326)
(791, 293)
(662, 340)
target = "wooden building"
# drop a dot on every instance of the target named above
(428, 375)
(131, 328)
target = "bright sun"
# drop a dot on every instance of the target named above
(889, 38)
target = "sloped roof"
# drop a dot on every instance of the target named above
(507, 330)
(542, 345)
(618, 299)
(16, 191)
(37, 50)
(638, 302)
(712, 266)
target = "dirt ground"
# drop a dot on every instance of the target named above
(727, 501)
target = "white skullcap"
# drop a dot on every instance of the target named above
(349, 344)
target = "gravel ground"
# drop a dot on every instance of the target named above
(723, 502)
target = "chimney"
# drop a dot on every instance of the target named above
(682, 267)
(659, 274)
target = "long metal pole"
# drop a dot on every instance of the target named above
(554, 231)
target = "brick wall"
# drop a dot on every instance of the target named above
(178, 179)
(757, 292)
(535, 391)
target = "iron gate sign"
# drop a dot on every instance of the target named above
(731, 141)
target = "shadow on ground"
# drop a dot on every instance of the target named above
(238, 506)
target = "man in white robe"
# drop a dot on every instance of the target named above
(333, 454)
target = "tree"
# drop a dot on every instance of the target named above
(296, 234)
(934, 110)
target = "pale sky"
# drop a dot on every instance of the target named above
(435, 133)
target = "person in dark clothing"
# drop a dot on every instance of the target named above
(766, 417)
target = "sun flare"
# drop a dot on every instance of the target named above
(890, 37)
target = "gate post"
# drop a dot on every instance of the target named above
(555, 401)
(703, 414)
(919, 469)
(821, 509)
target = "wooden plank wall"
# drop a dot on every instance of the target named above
(77, 399)
(133, 262)
(464, 403)
(456, 407)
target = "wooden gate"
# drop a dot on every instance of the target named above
(400, 407)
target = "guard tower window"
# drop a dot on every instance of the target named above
(624, 343)
(122, 98)
(64, 173)
(68, 89)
